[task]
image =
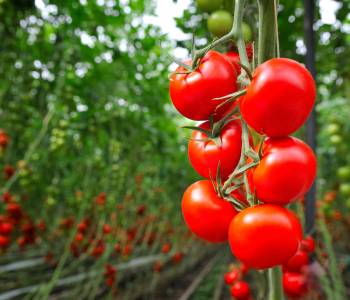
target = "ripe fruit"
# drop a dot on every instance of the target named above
(294, 284)
(208, 5)
(297, 262)
(205, 154)
(231, 277)
(220, 23)
(207, 215)
(279, 98)
(286, 171)
(192, 93)
(308, 244)
(264, 236)
(240, 290)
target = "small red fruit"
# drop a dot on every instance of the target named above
(231, 277)
(240, 290)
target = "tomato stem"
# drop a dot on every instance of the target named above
(275, 284)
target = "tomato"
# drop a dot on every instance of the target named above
(231, 277)
(308, 244)
(336, 139)
(343, 173)
(205, 154)
(286, 170)
(297, 262)
(279, 98)
(192, 94)
(209, 5)
(166, 248)
(333, 128)
(6, 228)
(264, 236)
(247, 32)
(294, 284)
(4, 241)
(207, 215)
(234, 59)
(220, 23)
(344, 189)
(240, 290)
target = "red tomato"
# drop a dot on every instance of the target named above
(264, 236)
(234, 59)
(4, 241)
(308, 244)
(286, 171)
(279, 98)
(192, 94)
(240, 290)
(207, 215)
(231, 277)
(6, 228)
(297, 262)
(205, 154)
(294, 284)
(166, 248)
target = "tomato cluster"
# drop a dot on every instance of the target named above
(239, 288)
(246, 188)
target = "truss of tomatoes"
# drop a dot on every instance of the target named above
(276, 103)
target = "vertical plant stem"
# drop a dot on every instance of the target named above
(267, 28)
(275, 284)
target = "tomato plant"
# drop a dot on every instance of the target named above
(280, 97)
(205, 153)
(193, 93)
(286, 170)
(264, 236)
(205, 213)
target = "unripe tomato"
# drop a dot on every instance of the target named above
(279, 98)
(294, 284)
(333, 128)
(344, 189)
(297, 262)
(308, 244)
(247, 32)
(264, 236)
(209, 5)
(343, 173)
(231, 277)
(220, 23)
(206, 214)
(192, 94)
(336, 139)
(240, 290)
(205, 154)
(286, 171)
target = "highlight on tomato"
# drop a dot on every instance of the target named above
(264, 236)
(193, 93)
(205, 213)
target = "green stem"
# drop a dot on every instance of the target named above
(235, 33)
(275, 284)
(267, 30)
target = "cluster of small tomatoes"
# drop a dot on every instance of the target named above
(246, 186)
(239, 288)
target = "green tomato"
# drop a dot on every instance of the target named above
(343, 173)
(247, 32)
(220, 23)
(336, 139)
(209, 5)
(344, 189)
(333, 128)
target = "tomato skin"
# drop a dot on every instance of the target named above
(220, 23)
(231, 277)
(308, 244)
(207, 215)
(264, 236)
(208, 5)
(279, 98)
(297, 262)
(192, 94)
(286, 171)
(240, 290)
(233, 57)
(205, 155)
(294, 284)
